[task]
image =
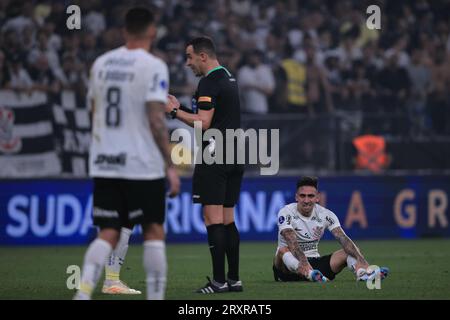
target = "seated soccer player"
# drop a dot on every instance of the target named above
(301, 226)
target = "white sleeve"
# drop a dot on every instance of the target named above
(284, 219)
(90, 93)
(158, 86)
(332, 220)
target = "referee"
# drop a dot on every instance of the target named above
(215, 186)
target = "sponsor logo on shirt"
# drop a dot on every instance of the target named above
(330, 220)
(317, 232)
(110, 159)
(308, 246)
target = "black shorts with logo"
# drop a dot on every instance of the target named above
(217, 184)
(124, 203)
(322, 264)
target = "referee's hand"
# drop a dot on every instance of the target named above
(172, 103)
(174, 182)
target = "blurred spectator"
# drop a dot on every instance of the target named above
(253, 37)
(42, 48)
(393, 85)
(291, 86)
(180, 86)
(94, 20)
(54, 40)
(3, 71)
(438, 101)
(360, 90)
(230, 59)
(399, 49)
(18, 78)
(12, 46)
(74, 76)
(274, 48)
(23, 19)
(90, 49)
(41, 75)
(28, 38)
(241, 7)
(174, 36)
(318, 92)
(335, 78)
(42, 11)
(420, 76)
(256, 84)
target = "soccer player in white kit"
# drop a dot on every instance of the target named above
(301, 226)
(130, 157)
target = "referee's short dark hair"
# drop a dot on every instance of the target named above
(203, 44)
(137, 20)
(308, 181)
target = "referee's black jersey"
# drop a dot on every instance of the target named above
(219, 90)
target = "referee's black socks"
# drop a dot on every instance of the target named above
(217, 245)
(232, 250)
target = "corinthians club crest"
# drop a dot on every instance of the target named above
(8, 143)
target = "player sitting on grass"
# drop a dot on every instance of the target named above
(301, 226)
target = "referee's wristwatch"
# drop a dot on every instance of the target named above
(173, 113)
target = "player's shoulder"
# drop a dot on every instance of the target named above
(322, 210)
(326, 214)
(152, 61)
(206, 81)
(290, 209)
(107, 55)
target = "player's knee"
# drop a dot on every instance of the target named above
(338, 260)
(110, 235)
(154, 231)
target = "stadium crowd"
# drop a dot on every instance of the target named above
(309, 57)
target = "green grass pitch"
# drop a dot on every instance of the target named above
(420, 269)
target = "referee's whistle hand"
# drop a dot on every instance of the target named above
(172, 103)
(174, 182)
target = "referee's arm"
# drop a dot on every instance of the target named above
(204, 116)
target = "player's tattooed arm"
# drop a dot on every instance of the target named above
(349, 246)
(294, 248)
(156, 117)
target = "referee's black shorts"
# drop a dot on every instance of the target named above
(217, 184)
(124, 203)
(321, 263)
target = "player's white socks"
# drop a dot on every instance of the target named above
(351, 263)
(290, 262)
(94, 261)
(112, 268)
(155, 266)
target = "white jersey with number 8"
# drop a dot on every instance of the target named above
(121, 82)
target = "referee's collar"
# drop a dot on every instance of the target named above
(218, 68)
